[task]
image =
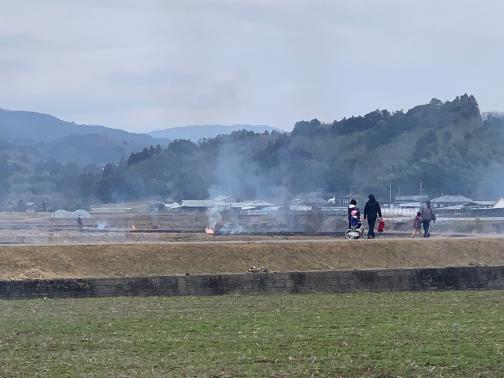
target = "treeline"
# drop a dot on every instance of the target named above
(445, 145)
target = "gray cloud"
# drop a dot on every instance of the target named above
(153, 64)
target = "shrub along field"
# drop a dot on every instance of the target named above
(361, 334)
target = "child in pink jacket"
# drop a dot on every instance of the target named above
(417, 225)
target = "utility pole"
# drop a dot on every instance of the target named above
(420, 189)
(390, 196)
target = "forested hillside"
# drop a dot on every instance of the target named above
(445, 145)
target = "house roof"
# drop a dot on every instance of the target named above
(411, 205)
(499, 204)
(485, 203)
(448, 198)
(454, 207)
(198, 203)
(249, 205)
(412, 198)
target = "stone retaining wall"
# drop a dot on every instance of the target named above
(457, 278)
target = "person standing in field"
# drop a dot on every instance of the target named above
(428, 216)
(417, 225)
(372, 211)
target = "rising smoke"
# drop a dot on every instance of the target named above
(238, 177)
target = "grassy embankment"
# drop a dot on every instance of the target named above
(362, 334)
(120, 260)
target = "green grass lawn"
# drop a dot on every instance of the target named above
(362, 334)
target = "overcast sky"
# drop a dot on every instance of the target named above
(142, 65)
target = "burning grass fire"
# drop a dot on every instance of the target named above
(210, 231)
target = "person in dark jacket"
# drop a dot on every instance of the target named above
(372, 211)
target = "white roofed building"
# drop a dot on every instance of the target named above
(451, 200)
(499, 204)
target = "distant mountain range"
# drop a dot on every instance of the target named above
(23, 127)
(62, 141)
(67, 141)
(197, 132)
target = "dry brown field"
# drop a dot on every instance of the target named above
(35, 247)
(225, 256)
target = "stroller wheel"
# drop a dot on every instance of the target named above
(352, 234)
(364, 233)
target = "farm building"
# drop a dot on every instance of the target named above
(451, 200)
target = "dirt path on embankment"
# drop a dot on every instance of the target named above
(118, 260)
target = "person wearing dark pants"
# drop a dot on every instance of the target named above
(372, 211)
(371, 224)
(428, 215)
(426, 228)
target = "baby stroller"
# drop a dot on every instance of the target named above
(356, 232)
(357, 229)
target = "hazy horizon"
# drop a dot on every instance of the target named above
(144, 66)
